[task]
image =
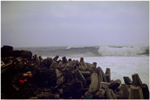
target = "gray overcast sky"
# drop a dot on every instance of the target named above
(69, 23)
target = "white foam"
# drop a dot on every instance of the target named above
(122, 51)
(69, 47)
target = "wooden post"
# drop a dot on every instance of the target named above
(81, 59)
(86, 73)
(107, 74)
(64, 59)
(114, 85)
(79, 85)
(145, 91)
(107, 71)
(95, 83)
(135, 92)
(127, 80)
(108, 77)
(89, 66)
(55, 58)
(98, 71)
(40, 58)
(81, 77)
(104, 84)
(124, 91)
(54, 64)
(100, 94)
(82, 62)
(36, 59)
(103, 75)
(136, 80)
(110, 94)
(69, 60)
(94, 65)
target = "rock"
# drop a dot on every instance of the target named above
(22, 53)
(6, 51)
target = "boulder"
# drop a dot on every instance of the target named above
(6, 51)
(22, 53)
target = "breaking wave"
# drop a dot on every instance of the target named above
(121, 50)
(109, 50)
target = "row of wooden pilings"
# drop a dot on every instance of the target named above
(95, 82)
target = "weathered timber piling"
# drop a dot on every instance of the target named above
(145, 91)
(35, 58)
(94, 65)
(100, 94)
(103, 75)
(69, 60)
(54, 64)
(80, 75)
(115, 84)
(64, 59)
(110, 94)
(123, 93)
(107, 74)
(135, 92)
(82, 63)
(55, 58)
(98, 71)
(81, 59)
(127, 80)
(94, 84)
(136, 80)
(40, 58)
(86, 73)
(74, 79)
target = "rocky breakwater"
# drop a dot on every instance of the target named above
(47, 78)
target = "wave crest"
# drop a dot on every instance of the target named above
(121, 50)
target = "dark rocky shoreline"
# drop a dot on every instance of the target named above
(32, 77)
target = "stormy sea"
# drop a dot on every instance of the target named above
(122, 60)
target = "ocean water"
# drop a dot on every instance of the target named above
(122, 60)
